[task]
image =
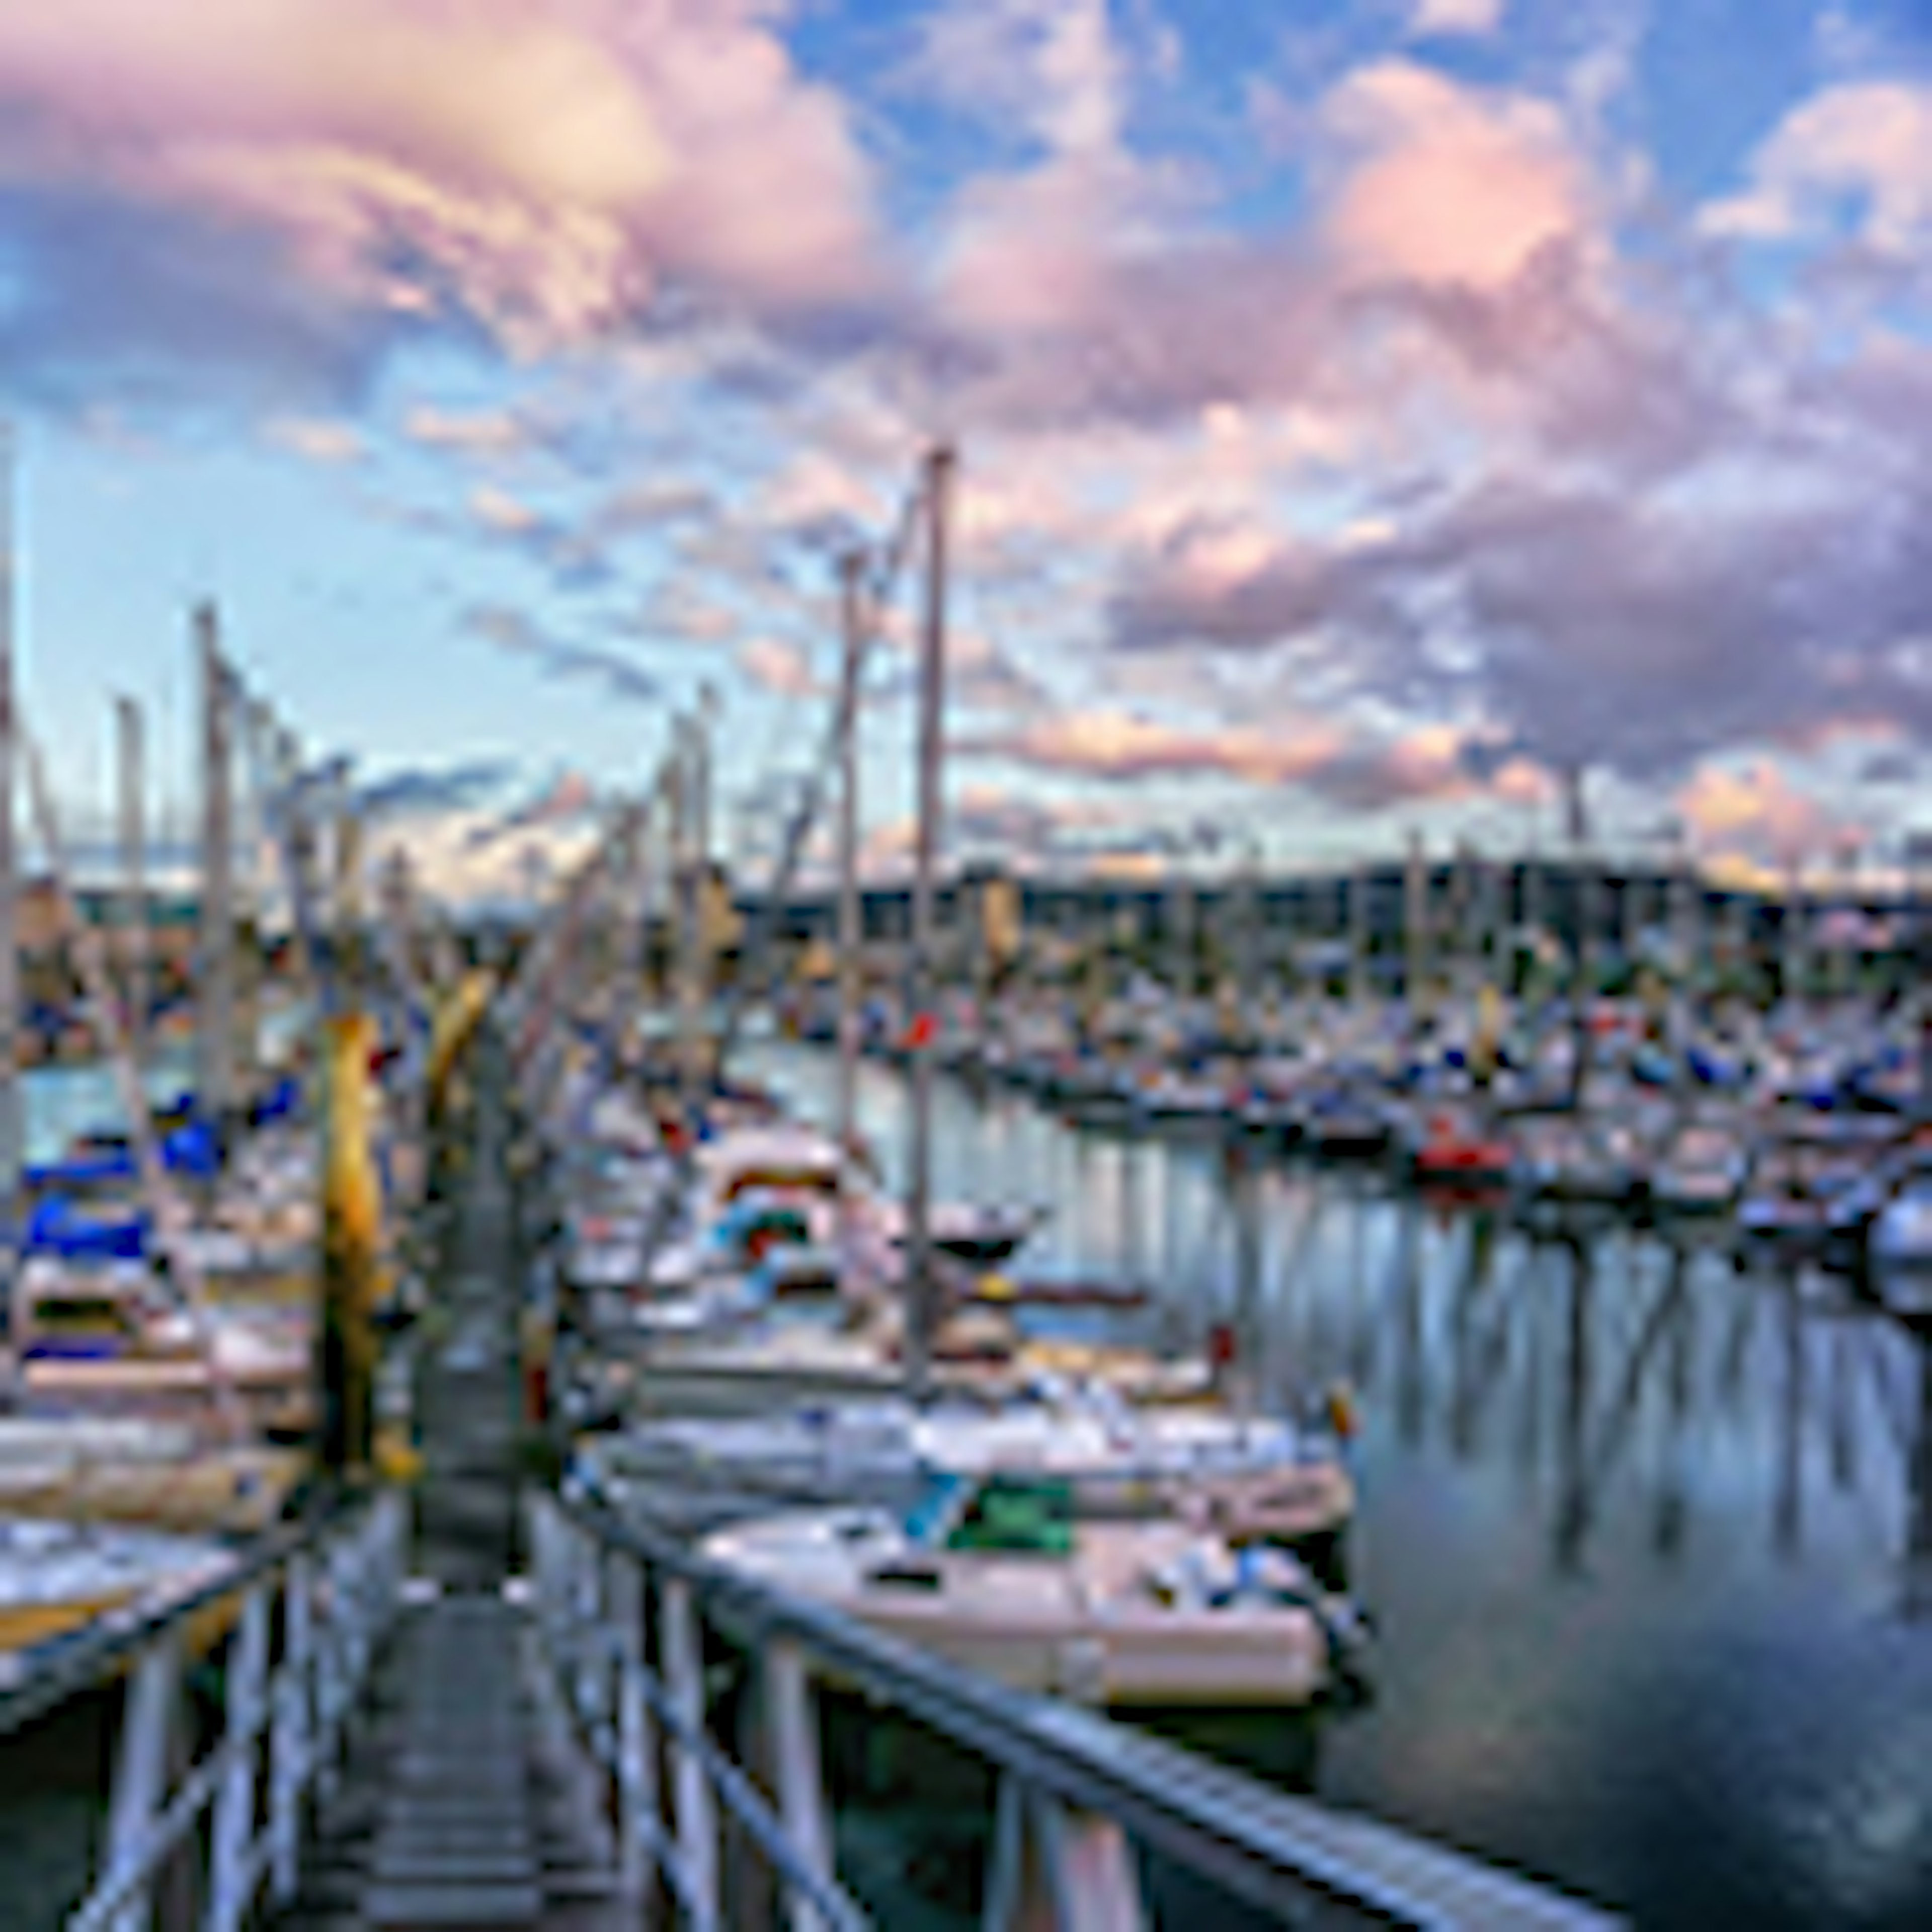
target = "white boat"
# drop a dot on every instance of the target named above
(56, 1578)
(815, 1354)
(1002, 1576)
(1701, 1171)
(109, 1333)
(1251, 1480)
(1899, 1250)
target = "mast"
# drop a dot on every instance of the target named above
(1415, 926)
(851, 934)
(1684, 937)
(1530, 909)
(1358, 933)
(12, 1132)
(1794, 972)
(130, 760)
(1583, 954)
(1248, 967)
(1181, 935)
(922, 1310)
(215, 1040)
(690, 795)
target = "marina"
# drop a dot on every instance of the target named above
(964, 968)
(586, 1415)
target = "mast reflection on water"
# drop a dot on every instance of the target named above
(1649, 1537)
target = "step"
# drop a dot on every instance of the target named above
(450, 1908)
(414, 1865)
(455, 1846)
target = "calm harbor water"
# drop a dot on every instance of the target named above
(1649, 1538)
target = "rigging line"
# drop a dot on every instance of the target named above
(893, 557)
(163, 1203)
(798, 830)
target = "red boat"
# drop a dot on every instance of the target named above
(1456, 1149)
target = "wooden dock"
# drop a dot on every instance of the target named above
(459, 1806)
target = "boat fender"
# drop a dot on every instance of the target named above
(1080, 1670)
(1344, 1418)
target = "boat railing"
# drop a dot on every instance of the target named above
(303, 1612)
(624, 1612)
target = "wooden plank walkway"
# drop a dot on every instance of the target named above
(458, 1807)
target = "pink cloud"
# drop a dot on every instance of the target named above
(542, 170)
(780, 668)
(1116, 744)
(1753, 811)
(1442, 183)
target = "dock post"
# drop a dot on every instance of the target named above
(1056, 1869)
(791, 1726)
(141, 1771)
(247, 1670)
(638, 1828)
(694, 1807)
(289, 1737)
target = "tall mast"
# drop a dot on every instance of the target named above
(923, 1312)
(12, 1132)
(215, 1042)
(690, 909)
(1249, 965)
(1415, 925)
(131, 763)
(1583, 959)
(1358, 933)
(851, 935)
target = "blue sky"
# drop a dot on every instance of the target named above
(1367, 413)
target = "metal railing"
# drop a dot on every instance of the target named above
(623, 1611)
(301, 1617)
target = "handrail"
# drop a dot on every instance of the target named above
(311, 1602)
(1285, 1854)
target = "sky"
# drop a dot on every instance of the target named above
(1367, 415)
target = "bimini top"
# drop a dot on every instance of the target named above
(776, 1156)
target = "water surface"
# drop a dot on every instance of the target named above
(1650, 1539)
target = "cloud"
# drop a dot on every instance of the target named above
(983, 677)
(1363, 773)
(990, 821)
(468, 432)
(1867, 143)
(568, 797)
(781, 668)
(1118, 747)
(577, 546)
(425, 791)
(313, 179)
(1444, 17)
(1054, 69)
(517, 632)
(1446, 184)
(674, 612)
(1754, 811)
(1581, 626)
(318, 439)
